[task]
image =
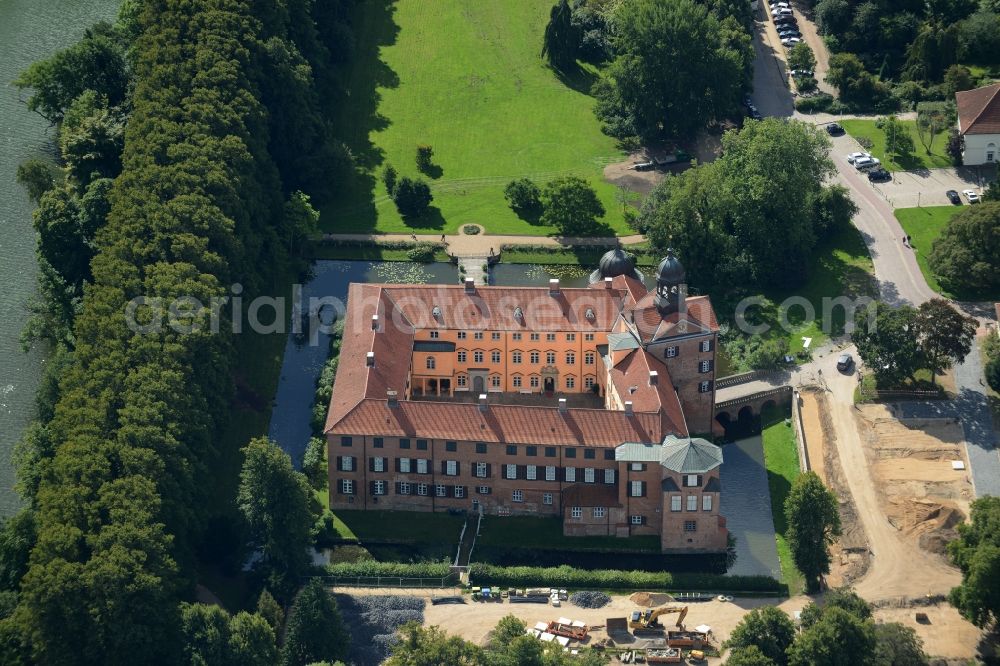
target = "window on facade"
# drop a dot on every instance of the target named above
(448, 446)
(495, 356)
(347, 464)
(636, 489)
(588, 358)
(531, 451)
(675, 502)
(691, 480)
(404, 465)
(378, 464)
(550, 452)
(404, 443)
(570, 382)
(451, 467)
(517, 496)
(546, 498)
(570, 452)
(550, 473)
(588, 382)
(706, 345)
(635, 520)
(692, 503)
(534, 336)
(589, 337)
(422, 489)
(495, 381)
(570, 337)
(571, 474)
(480, 447)
(347, 441)
(589, 454)
(404, 488)
(532, 473)
(422, 465)
(463, 356)
(550, 357)
(533, 357)
(481, 470)
(477, 357)
(704, 387)
(576, 512)
(430, 363)
(534, 382)
(609, 476)
(461, 335)
(704, 366)
(670, 352)
(515, 336)
(570, 358)
(459, 491)
(379, 488)
(510, 471)
(434, 335)
(637, 467)
(347, 486)
(550, 337)
(478, 335)
(599, 511)
(706, 502)
(588, 475)
(515, 357)
(462, 381)
(495, 335)
(441, 490)
(690, 526)
(378, 442)
(484, 490)
(512, 449)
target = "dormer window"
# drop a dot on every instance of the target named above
(519, 315)
(589, 314)
(436, 312)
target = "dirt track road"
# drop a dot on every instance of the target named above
(897, 568)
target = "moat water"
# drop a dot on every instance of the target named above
(29, 30)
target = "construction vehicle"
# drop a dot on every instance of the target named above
(663, 656)
(576, 633)
(688, 639)
(649, 619)
(697, 656)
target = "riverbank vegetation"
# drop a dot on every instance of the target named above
(186, 133)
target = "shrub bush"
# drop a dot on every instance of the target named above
(424, 155)
(610, 579)
(412, 197)
(405, 570)
(522, 194)
(423, 253)
(814, 104)
(470, 229)
(993, 373)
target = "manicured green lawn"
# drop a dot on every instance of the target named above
(467, 78)
(400, 526)
(841, 266)
(918, 159)
(924, 225)
(365, 253)
(781, 458)
(546, 533)
(580, 256)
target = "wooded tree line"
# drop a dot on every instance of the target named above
(184, 129)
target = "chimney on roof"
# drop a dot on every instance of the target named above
(392, 397)
(607, 282)
(554, 287)
(562, 405)
(482, 402)
(374, 322)
(628, 407)
(370, 359)
(470, 285)
(654, 378)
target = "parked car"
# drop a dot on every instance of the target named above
(785, 34)
(845, 362)
(833, 129)
(879, 175)
(791, 41)
(971, 195)
(785, 21)
(776, 5)
(804, 74)
(852, 157)
(953, 197)
(781, 11)
(755, 114)
(867, 163)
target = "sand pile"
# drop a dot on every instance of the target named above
(650, 599)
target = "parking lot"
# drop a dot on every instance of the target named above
(925, 187)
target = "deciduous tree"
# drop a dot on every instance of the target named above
(966, 256)
(887, 342)
(767, 629)
(315, 630)
(944, 334)
(838, 638)
(977, 554)
(571, 205)
(813, 525)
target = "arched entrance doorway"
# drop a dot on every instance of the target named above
(478, 384)
(549, 384)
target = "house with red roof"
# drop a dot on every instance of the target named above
(979, 124)
(582, 403)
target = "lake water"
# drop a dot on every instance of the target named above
(29, 30)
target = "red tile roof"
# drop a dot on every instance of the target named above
(631, 379)
(698, 315)
(979, 110)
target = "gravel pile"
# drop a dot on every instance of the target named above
(372, 622)
(589, 599)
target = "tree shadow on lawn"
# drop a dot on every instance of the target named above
(577, 78)
(432, 171)
(532, 216)
(431, 219)
(359, 118)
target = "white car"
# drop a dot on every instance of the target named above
(790, 41)
(781, 11)
(780, 5)
(971, 195)
(866, 163)
(856, 156)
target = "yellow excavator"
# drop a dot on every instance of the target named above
(649, 619)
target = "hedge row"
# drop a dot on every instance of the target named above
(611, 579)
(326, 241)
(404, 570)
(559, 249)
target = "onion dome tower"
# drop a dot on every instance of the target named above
(670, 285)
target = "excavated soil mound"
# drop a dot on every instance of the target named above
(650, 599)
(931, 523)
